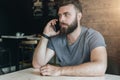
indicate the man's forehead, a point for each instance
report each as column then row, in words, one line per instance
column 66, row 8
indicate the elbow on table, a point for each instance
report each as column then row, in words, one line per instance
column 101, row 71
column 36, row 65
column 98, row 70
column 97, row 73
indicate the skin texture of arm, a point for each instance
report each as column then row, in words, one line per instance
column 96, row 67
column 42, row 55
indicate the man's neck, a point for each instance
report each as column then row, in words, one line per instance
column 72, row 37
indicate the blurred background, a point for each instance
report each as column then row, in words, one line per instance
column 30, row 17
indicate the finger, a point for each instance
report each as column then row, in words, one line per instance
column 43, row 68
column 45, row 73
column 53, row 22
column 58, row 32
column 48, row 70
column 50, row 23
column 42, row 71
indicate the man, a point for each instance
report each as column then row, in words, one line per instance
column 80, row 51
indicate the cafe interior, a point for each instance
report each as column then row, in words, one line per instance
column 22, row 23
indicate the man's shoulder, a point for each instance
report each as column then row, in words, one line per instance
column 92, row 33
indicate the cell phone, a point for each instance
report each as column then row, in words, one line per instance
column 57, row 26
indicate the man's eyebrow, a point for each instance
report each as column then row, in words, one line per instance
column 63, row 13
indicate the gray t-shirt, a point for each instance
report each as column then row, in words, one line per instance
column 78, row 52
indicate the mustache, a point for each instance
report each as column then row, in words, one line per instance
column 62, row 23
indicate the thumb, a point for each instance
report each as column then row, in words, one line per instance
column 57, row 32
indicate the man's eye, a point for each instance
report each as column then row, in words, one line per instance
column 67, row 14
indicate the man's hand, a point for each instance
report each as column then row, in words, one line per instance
column 50, row 70
column 49, row 29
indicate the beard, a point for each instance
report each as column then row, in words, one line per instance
column 70, row 27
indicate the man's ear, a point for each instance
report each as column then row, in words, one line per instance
column 79, row 16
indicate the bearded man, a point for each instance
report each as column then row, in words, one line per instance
column 80, row 50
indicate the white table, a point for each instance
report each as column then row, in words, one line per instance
column 33, row 74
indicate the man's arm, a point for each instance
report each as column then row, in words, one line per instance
column 96, row 67
column 42, row 54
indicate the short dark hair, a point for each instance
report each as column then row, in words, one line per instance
column 76, row 3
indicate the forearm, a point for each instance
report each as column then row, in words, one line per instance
column 40, row 53
column 86, row 69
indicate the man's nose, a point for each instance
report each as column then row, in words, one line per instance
column 61, row 18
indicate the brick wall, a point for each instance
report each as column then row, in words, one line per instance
column 104, row 16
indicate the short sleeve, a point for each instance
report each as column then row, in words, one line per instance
column 50, row 45
column 96, row 40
